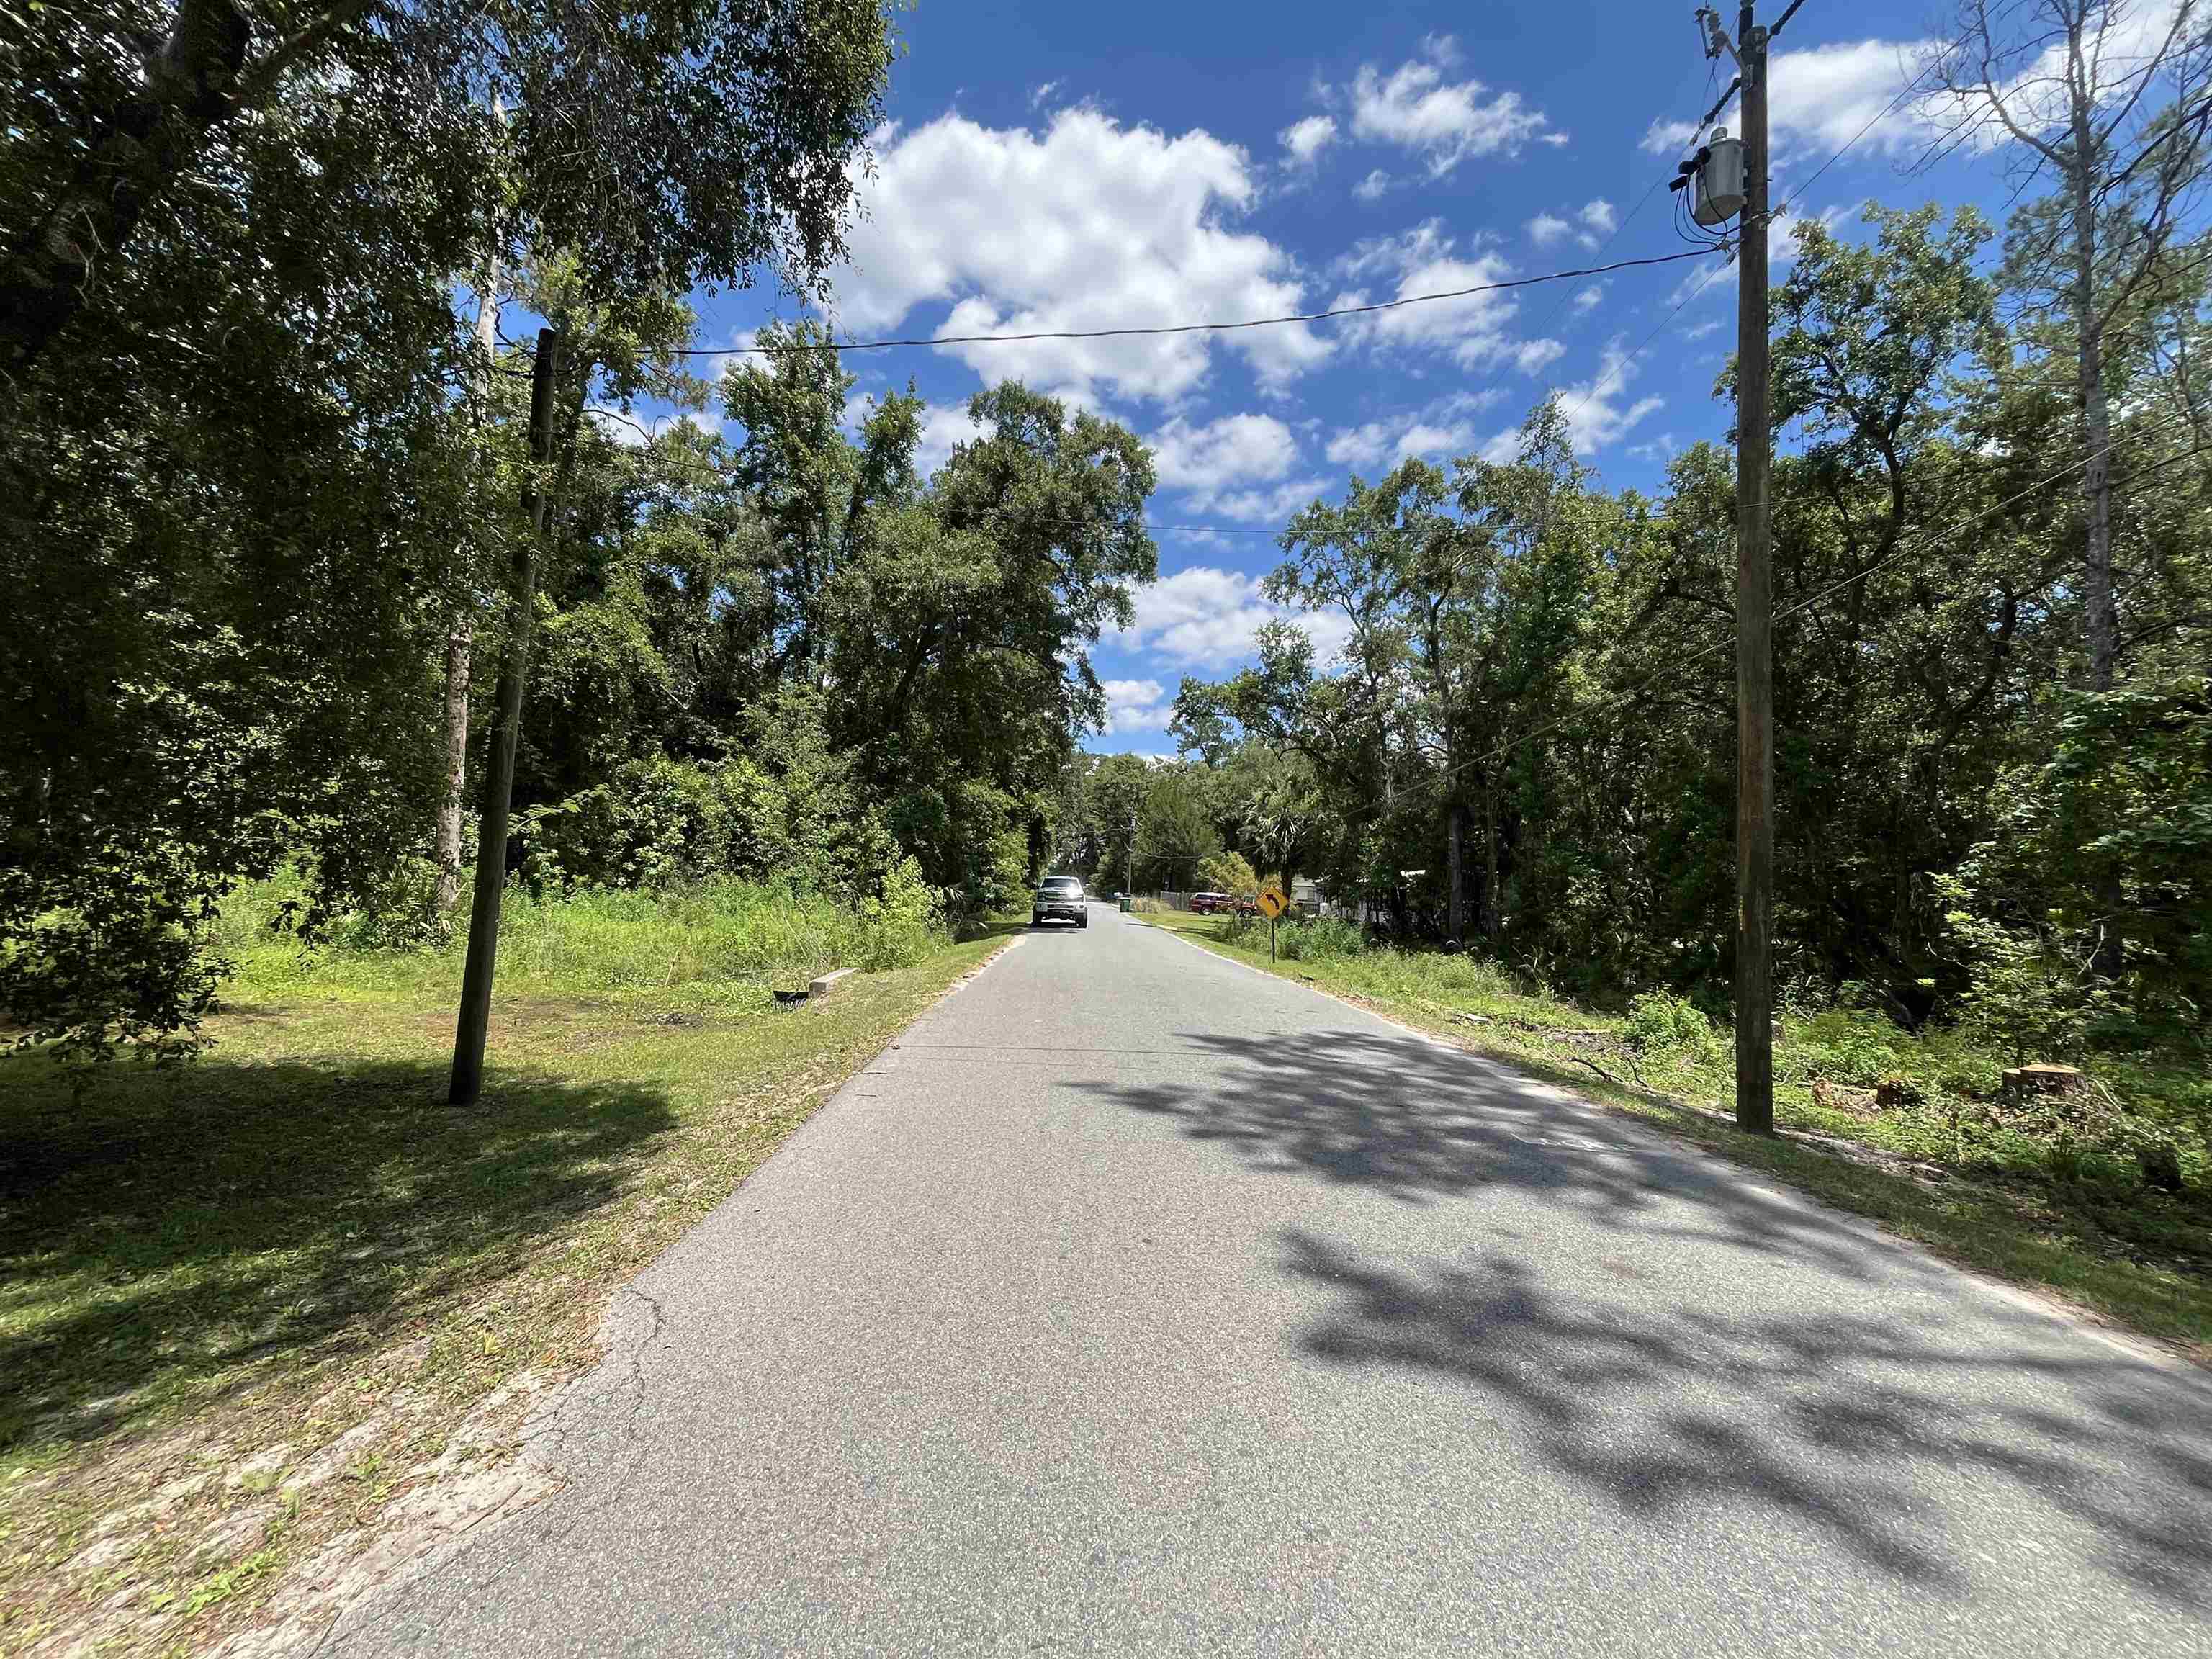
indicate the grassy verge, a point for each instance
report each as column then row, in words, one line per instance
column 254, row 1306
column 1990, row 1194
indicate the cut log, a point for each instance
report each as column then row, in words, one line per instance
column 2025, row 1082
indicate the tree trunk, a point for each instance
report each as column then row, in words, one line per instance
column 1454, row 888
column 458, row 645
column 1492, row 925
column 2099, row 620
column 2099, row 617
column 135, row 147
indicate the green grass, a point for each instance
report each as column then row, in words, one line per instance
column 712, row 943
column 209, row 1271
column 2004, row 1191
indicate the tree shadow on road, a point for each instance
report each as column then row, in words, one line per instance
column 1722, row 1349
column 1421, row 1122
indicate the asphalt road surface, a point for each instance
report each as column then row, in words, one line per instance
column 1138, row 1302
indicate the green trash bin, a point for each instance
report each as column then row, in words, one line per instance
column 1125, row 904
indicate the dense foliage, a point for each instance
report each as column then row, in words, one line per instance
column 261, row 457
column 1534, row 710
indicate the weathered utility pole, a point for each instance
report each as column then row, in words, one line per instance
column 1754, row 619
column 505, row 734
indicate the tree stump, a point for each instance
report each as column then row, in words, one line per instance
column 2025, row 1082
column 1892, row 1092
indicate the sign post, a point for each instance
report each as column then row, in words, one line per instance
column 1272, row 906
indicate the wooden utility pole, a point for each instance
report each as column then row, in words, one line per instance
column 1754, row 620
column 505, row 734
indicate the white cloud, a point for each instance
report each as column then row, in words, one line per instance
column 1546, row 228
column 1589, row 298
column 1710, row 325
column 1374, row 186
column 1268, row 503
column 1473, row 328
column 1445, row 122
column 1136, row 706
column 1666, row 138
column 1306, row 139
column 1218, row 464
column 1826, row 97
column 1091, row 225
column 1206, row 617
column 1535, row 357
column 1379, row 445
column 1660, row 448
column 1597, row 412
column 1043, row 92
column 1593, row 222
column 943, row 426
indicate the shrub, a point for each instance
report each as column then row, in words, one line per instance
column 1323, row 936
column 1659, row 1022
column 903, row 923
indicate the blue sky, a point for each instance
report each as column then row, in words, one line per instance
column 1050, row 167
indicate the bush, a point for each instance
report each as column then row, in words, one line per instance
column 1659, row 1022
column 902, row 924
column 1323, row 936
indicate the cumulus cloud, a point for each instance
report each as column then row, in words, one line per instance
column 1589, row 298
column 1473, row 328
column 1826, row 97
column 1306, row 139
column 1238, row 466
column 1204, row 618
column 1416, row 107
column 1598, row 412
column 943, row 426
column 1592, row 223
column 1236, row 449
column 1136, row 706
column 1088, row 225
column 1839, row 94
column 1376, row 185
column 1377, row 446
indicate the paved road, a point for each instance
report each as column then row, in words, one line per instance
column 1138, row 1302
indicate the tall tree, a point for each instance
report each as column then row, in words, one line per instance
column 2109, row 101
column 232, row 482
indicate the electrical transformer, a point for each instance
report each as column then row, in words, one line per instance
column 1719, row 191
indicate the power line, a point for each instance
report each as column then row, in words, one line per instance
column 1156, row 329
column 1909, row 89
column 1650, row 191
column 1620, row 369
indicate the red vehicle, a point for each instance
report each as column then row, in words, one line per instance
column 1207, row 904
